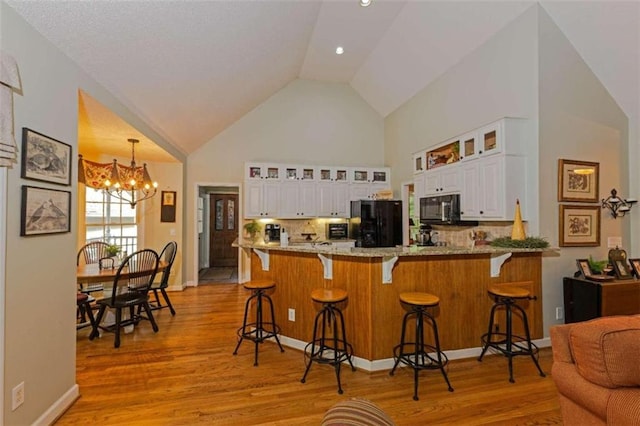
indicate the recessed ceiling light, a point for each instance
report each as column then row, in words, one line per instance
column 339, row 50
column 365, row 3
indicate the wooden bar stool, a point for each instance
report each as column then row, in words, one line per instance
column 507, row 343
column 417, row 354
column 330, row 349
column 260, row 330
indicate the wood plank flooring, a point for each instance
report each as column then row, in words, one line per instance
column 186, row 374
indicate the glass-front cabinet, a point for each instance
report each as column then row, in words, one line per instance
column 333, row 174
column 380, row 175
column 307, row 173
column 255, row 171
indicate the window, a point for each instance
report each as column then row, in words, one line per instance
column 110, row 219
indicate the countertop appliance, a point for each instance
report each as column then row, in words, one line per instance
column 337, row 231
column 272, row 232
column 424, row 236
column 440, row 210
column 376, row 223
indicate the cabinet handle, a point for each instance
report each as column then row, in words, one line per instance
column 481, row 212
column 479, row 152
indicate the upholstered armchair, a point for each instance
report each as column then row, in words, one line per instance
column 596, row 368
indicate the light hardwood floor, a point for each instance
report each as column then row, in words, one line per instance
column 186, row 374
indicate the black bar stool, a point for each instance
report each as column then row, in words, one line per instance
column 83, row 306
column 328, row 349
column 507, row 343
column 414, row 354
column 260, row 330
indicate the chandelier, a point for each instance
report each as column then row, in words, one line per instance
column 131, row 184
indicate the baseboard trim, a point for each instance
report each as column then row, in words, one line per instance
column 59, row 407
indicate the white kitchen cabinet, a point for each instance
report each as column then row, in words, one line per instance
column 418, row 164
column 332, row 174
column 491, row 186
column 293, row 172
column 443, row 180
column 332, row 200
column 297, row 200
column 506, row 136
column 262, row 171
column 261, row 198
column 366, row 175
column 418, row 191
column 369, row 191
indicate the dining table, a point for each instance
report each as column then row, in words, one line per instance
column 92, row 273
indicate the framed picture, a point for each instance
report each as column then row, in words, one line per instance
column 618, row 259
column 45, row 211
column 579, row 226
column 635, row 267
column 578, row 181
column 583, row 267
column 45, row 159
column 168, row 207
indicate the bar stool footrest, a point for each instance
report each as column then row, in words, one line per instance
column 426, row 361
column 324, row 354
column 258, row 335
column 518, row 343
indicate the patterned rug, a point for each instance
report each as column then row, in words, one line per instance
column 218, row 275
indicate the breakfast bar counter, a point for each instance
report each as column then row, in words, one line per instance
column 374, row 277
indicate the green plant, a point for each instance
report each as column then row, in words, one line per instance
column 597, row 266
column 252, row 227
column 529, row 242
column 113, row 250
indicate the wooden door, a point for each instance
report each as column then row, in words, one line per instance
column 223, row 230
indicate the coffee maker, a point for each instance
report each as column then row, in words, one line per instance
column 272, row 232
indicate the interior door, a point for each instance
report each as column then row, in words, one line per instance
column 223, row 230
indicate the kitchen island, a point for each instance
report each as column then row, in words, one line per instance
column 374, row 277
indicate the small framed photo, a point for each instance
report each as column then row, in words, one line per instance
column 168, row 207
column 45, row 211
column 583, row 267
column 578, row 181
column 579, row 226
column 45, row 159
column 635, row 267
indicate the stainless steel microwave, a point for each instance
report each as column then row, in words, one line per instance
column 440, row 209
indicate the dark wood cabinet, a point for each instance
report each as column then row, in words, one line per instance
column 586, row 299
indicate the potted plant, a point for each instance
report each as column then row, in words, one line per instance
column 252, row 229
column 113, row 250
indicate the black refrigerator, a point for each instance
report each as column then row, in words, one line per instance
column 376, row 223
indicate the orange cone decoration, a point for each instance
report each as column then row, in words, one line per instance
column 517, row 233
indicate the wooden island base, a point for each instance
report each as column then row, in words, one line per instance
column 373, row 313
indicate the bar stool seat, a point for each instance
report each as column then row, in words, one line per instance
column 260, row 330
column 507, row 343
column 331, row 349
column 417, row 354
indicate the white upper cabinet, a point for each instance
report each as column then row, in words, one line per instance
column 379, row 175
column 445, row 180
column 297, row 200
column 502, row 136
column 261, row 198
column 306, row 173
column 332, row 174
column 332, row 199
column 261, row 171
column 418, row 162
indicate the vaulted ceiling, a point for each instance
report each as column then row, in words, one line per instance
column 190, row 69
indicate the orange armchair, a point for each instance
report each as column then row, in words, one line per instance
column 596, row 368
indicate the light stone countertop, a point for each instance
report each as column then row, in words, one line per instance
column 382, row 251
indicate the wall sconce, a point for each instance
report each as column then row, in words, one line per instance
column 618, row 205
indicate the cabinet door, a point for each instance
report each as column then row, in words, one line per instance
column 359, row 191
column 289, row 200
column 418, row 192
column 253, row 199
column 342, row 206
column 360, row 176
column 379, row 176
column 418, row 162
column 469, row 194
column 492, row 188
column 450, row 179
column 432, row 182
column 324, row 199
column 469, row 146
column 491, row 138
column 306, row 200
column 271, row 199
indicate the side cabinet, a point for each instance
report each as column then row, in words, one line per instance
column 586, row 299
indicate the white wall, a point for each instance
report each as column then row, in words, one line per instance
column 579, row 121
column 39, row 323
column 497, row 80
column 306, row 122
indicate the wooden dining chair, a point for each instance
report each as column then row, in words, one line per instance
column 168, row 254
column 130, row 290
column 92, row 253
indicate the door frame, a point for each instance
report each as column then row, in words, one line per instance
column 405, row 212
column 195, row 253
column 3, row 264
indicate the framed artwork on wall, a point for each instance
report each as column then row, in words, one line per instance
column 578, row 181
column 168, row 206
column 579, row 226
column 45, row 159
column 44, row 211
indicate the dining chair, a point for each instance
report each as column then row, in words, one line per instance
column 168, row 254
column 92, row 253
column 130, row 290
